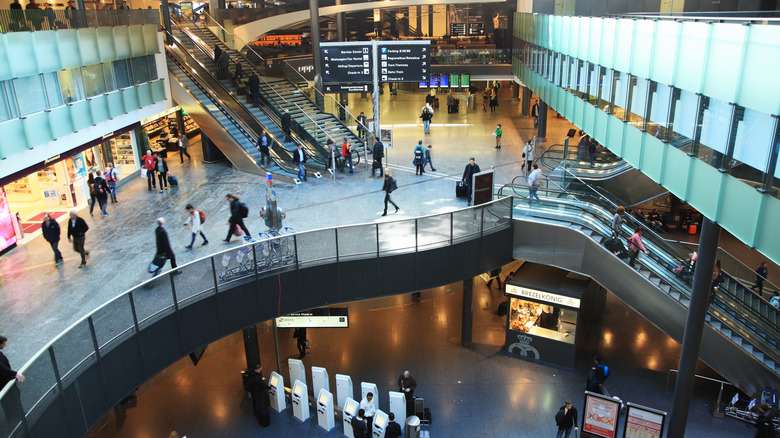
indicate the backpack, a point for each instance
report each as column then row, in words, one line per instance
column 559, row 417
column 202, row 217
column 97, row 188
column 243, row 210
column 604, row 370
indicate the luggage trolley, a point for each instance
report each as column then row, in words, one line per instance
column 239, row 264
column 745, row 410
column 424, row 414
column 276, row 248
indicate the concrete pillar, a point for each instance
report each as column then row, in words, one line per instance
column 314, row 8
column 180, row 122
column 468, row 312
column 251, row 347
column 526, row 107
column 542, row 120
column 694, row 326
column 515, row 90
column 339, row 24
column 166, row 16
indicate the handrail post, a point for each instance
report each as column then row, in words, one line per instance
column 716, row 409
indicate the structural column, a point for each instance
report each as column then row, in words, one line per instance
column 251, row 347
column 694, row 326
column 468, row 312
column 526, row 107
column 166, row 16
column 314, row 8
column 542, row 119
column 339, row 24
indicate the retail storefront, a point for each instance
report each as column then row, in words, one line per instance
column 163, row 130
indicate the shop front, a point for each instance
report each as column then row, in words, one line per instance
column 545, row 313
column 163, row 130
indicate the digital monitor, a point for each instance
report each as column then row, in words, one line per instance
column 350, row 407
column 455, row 81
column 323, row 399
column 445, row 81
column 434, row 81
column 274, row 380
column 298, row 390
column 380, row 421
column 423, row 84
column 464, row 80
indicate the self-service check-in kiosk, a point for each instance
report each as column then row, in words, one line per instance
column 319, row 379
column 300, row 401
column 380, row 423
column 276, row 382
column 344, row 389
column 398, row 406
column 326, row 418
column 365, row 388
column 350, row 410
column 297, row 371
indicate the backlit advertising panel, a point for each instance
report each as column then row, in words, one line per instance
column 7, row 234
column 601, row 415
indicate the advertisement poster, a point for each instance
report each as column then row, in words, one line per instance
column 600, row 417
column 7, row 235
column 79, row 166
column 643, row 423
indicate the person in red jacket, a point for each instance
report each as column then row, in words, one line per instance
column 150, row 164
column 346, row 156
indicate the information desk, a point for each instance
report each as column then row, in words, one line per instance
column 544, row 313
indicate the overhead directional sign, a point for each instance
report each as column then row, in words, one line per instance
column 458, row 29
column 349, row 88
column 404, row 62
column 349, row 64
column 319, row 318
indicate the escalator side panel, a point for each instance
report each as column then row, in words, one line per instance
column 566, row 248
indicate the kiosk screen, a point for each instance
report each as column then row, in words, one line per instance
column 298, row 390
column 274, row 380
column 323, row 399
column 380, row 421
column 545, row 320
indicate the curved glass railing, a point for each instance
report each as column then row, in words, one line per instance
column 66, row 356
column 743, row 311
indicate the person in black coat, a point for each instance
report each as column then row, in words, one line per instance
column 217, row 53
column 359, row 428
column 389, row 186
column 223, row 66
column 470, row 170
column 393, row 429
column 300, row 159
column 163, row 244
column 254, row 88
column 261, row 402
column 286, row 124
column 379, row 153
column 51, row 232
column 262, row 145
column 238, row 73
column 407, row 384
column 6, row 373
column 764, row 423
column 236, row 217
column 77, row 231
column 565, row 419
column 100, row 190
column 300, row 336
column 12, row 403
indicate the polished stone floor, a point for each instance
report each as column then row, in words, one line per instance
column 476, row 391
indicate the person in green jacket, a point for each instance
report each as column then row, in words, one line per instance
column 497, row 135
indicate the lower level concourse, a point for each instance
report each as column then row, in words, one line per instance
column 471, row 392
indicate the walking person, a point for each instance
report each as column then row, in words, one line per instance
column 362, row 126
column 493, row 100
column 468, row 172
column 164, row 245
column 184, row 143
column 256, row 385
column 300, row 159
column 254, row 88
column 265, row 153
column 485, row 99
column 407, row 384
column 51, row 232
column 162, row 172
column 111, row 178
column 238, row 72
column 565, row 419
column 635, row 245
column 761, row 274
column 426, row 115
column 592, row 152
column 195, row 219
column 450, row 102
column 346, row 156
column 300, row 336
column 217, row 53
column 617, row 221
column 238, row 211
column 77, row 232
column 528, row 154
column 428, row 160
column 150, row 165
column 598, row 375
column 534, row 182
column 223, row 66
column 495, row 274
column 419, row 158
column 497, row 134
column 535, row 114
column 389, row 187
column 286, row 120
column 379, row 153
column 12, row 404
column 100, row 188
column 765, row 422
column 92, row 199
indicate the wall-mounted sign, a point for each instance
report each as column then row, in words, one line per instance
column 539, row 295
column 458, row 29
column 349, row 64
column 316, row 318
column 601, row 415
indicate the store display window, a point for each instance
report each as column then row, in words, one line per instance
column 545, row 320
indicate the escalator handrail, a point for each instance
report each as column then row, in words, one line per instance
column 314, row 153
column 770, row 327
column 251, row 66
column 224, row 107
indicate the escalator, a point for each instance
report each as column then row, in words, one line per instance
column 608, row 172
column 229, row 123
column 741, row 340
column 312, row 125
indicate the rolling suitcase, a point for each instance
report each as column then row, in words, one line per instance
column 419, row 407
column 456, row 107
column 461, row 189
column 172, row 181
column 436, row 102
column 616, row 247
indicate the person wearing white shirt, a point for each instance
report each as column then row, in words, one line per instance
column 194, row 221
column 528, row 153
column 367, row 405
column 534, row 180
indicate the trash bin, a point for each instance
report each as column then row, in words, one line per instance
column 412, row 427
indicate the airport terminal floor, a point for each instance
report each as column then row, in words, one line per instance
column 518, row 398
